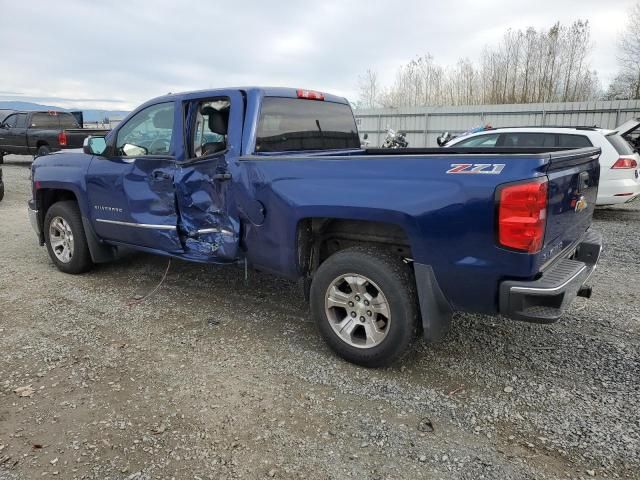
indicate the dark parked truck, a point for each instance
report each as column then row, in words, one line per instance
column 387, row 244
column 40, row 133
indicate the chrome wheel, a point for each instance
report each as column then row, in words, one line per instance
column 358, row 311
column 61, row 239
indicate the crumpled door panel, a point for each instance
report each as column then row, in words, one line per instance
column 208, row 233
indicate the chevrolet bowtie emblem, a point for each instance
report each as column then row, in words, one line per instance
column 581, row 204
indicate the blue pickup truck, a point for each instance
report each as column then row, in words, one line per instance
column 386, row 245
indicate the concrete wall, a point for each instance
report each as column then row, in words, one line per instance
column 424, row 124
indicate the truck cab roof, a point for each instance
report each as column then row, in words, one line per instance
column 285, row 92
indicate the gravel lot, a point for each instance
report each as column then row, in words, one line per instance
column 212, row 378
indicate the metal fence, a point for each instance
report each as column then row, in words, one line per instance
column 424, row 124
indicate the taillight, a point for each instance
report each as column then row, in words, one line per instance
column 625, row 163
column 522, row 215
column 310, row 95
column 62, row 139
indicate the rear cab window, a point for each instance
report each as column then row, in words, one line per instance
column 54, row 120
column 293, row 124
column 620, row 144
column 67, row 120
column 45, row 120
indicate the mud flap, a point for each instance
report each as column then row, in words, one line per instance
column 435, row 310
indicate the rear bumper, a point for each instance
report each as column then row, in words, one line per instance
column 545, row 299
column 616, row 191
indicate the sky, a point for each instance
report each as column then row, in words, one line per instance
column 117, row 54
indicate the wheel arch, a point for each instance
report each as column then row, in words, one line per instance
column 319, row 237
column 314, row 237
column 46, row 197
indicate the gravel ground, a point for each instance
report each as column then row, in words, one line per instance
column 212, row 378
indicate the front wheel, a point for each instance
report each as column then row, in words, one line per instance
column 65, row 238
column 363, row 300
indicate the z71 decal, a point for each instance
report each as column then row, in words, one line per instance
column 485, row 168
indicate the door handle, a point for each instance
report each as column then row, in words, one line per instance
column 160, row 175
column 222, row 177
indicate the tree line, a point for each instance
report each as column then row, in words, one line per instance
column 527, row 66
column 626, row 84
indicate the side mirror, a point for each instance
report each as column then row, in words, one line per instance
column 131, row 150
column 94, row 145
column 3, row 126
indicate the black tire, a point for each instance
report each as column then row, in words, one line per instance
column 1, row 158
column 1, row 190
column 80, row 261
column 43, row 150
column 394, row 278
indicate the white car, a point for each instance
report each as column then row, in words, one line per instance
column 619, row 182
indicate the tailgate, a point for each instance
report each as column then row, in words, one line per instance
column 573, row 188
column 76, row 136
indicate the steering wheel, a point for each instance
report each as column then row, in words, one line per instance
column 157, row 144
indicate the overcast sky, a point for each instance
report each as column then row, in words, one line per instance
column 117, row 54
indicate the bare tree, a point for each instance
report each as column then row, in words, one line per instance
column 526, row 66
column 369, row 90
column 626, row 85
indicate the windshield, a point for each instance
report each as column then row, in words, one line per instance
column 289, row 124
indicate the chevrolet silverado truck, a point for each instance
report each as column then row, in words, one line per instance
column 40, row 133
column 386, row 244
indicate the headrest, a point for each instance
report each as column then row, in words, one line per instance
column 163, row 119
column 218, row 119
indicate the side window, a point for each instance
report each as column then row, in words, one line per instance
column 574, row 141
column 522, row 139
column 22, row 120
column 479, row 141
column 10, row 121
column 209, row 132
column 45, row 120
column 148, row 132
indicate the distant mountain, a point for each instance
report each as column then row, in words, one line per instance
column 91, row 115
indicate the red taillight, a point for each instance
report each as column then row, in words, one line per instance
column 62, row 139
column 310, row 95
column 625, row 163
column 522, row 215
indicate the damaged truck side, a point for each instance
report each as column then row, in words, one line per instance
column 388, row 244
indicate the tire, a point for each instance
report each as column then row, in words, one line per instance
column 65, row 217
column 1, row 158
column 384, row 274
column 43, row 150
column 1, row 190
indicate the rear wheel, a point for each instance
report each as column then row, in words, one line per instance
column 65, row 238
column 364, row 302
column 43, row 150
column 1, row 158
column 1, row 190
